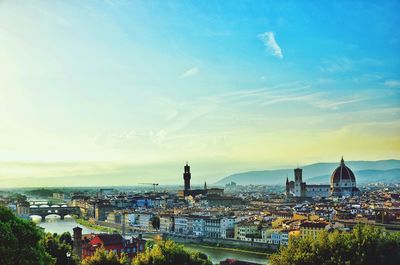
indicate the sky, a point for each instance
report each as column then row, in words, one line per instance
column 121, row 92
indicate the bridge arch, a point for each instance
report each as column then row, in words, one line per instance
column 59, row 211
column 52, row 216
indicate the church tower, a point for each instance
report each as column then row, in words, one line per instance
column 77, row 244
column 298, row 179
column 187, row 176
column 287, row 187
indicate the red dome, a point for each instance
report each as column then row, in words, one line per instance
column 342, row 172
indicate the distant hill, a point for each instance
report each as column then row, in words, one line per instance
column 366, row 176
column 366, row 171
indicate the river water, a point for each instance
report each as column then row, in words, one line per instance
column 55, row 225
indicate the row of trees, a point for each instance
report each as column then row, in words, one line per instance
column 365, row 245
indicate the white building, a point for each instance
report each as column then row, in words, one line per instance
column 227, row 226
column 198, row 226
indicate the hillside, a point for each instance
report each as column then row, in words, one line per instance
column 367, row 171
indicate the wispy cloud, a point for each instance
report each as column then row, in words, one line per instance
column 337, row 65
column 190, row 72
column 334, row 104
column 392, row 83
column 268, row 38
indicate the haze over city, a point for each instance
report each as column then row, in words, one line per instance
column 135, row 89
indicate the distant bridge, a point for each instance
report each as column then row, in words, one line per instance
column 45, row 210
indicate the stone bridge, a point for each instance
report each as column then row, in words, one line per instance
column 45, row 210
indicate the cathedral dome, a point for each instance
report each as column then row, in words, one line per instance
column 342, row 173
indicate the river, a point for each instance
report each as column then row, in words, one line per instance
column 55, row 225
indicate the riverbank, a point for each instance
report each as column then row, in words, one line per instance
column 92, row 225
column 252, row 247
column 256, row 251
column 217, row 254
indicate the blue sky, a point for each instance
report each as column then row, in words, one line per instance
column 136, row 88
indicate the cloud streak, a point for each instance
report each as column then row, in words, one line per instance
column 392, row 83
column 268, row 38
column 337, row 65
column 190, row 72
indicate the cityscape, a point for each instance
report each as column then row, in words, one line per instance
column 199, row 132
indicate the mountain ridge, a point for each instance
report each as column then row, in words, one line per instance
column 318, row 171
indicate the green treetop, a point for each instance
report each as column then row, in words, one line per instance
column 365, row 245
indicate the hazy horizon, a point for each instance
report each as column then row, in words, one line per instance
column 135, row 89
column 101, row 174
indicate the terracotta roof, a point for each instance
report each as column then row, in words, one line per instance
column 314, row 224
column 342, row 172
column 111, row 239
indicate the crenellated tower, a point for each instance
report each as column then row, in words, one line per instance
column 187, row 176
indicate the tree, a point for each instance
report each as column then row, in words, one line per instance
column 101, row 257
column 21, row 241
column 58, row 246
column 365, row 245
column 155, row 222
column 170, row 253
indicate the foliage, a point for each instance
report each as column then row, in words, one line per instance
column 170, row 253
column 58, row 246
column 17, row 197
column 149, row 244
column 101, row 257
column 155, row 222
column 365, row 245
column 20, row 241
column 44, row 193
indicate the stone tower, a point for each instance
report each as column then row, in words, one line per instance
column 77, row 245
column 187, row 176
column 298, row 179
column 287, row 187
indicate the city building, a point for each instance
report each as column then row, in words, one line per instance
column 101, row 210
column 59, row 196
column 166, row 223
column 312, row 229
column 115, row 243
column 183, row 225
column 298, row 188
column 199, row 226
column 227, row 227
column 212, row 227
column 246, row 231
column 23, row 209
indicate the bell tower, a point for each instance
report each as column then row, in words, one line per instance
column 298, row 179
column 77, row 244
column 187, row 176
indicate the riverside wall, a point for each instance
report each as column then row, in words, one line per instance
column 220, row 241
